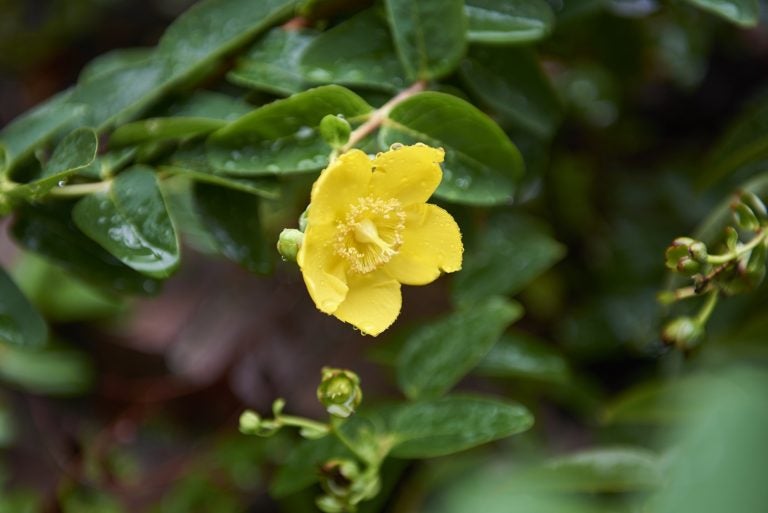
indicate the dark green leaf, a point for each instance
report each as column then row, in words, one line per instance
column 430, row 35
column 53, row 371
column 508, row 21
column 518, row 355
column 159, row 129
column 302, row 468
column 511, row 252
column 356, row 52
column 741, row 12
column 512, row 83
column 20, row 323
column 482, row 166
column 131, row 221
column 207, row 104
column 114, row 60
column 272, row 64
column 49, row 231
column 282, row 137
column 437, row 355
column 232, row 219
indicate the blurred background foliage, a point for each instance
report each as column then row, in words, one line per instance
column 636, row 120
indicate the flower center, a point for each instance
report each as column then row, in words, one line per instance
column 370, row 234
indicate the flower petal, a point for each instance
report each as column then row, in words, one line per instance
column 323, row 270
column 372, row 303
column 338, row 186
column 431, row 243
column 410, row 173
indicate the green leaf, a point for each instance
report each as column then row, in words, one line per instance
column 49, row 231
column 302, row 467
column 508, row 22
column 52, row 371
column 437, row 355
column 272, row 64
column 113, row 61
column 232, row 218
column 282, row 137
column 519, row 355
column 356, row 52
column 656, row 402
column 425, row 429
column 131, row 221
column 73, row 154
column 160, row 129
column 512, row 251
column 208, row 104
column 429, row 35
column 745, row 13
column 482, row 166
column 511, row 82
column 20, row 323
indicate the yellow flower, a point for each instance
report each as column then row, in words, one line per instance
column 369, row 230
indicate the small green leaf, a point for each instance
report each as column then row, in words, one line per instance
column 511, row 82
column 745, row 13
column 437, row 355
column 52, row 371
column 282, row 137
column 512, row 251
column 160, row 129
column 356, row 52
column 20, row 323
column 131, row 221
column 519, row 355
column 429, row 35
column 233, row 221
column 482, row 166
column 508, row 22
column 302, row 467
column 272, row 64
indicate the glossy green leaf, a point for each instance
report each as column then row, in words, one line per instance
column 482, row 166
column 356, row 52
column 159, row 129
column 512, row 83
column 282, row 137
column 437, row 355
column 74, row 153
column 232, row 218
column 745, row 13
column 272, row 64
column 522, row 356
column 114, row 60
column 425, row 429
column 20, row 323
column 131, row 221
column 429, row 35
column 508, row 21
column 52, row 371
column 302, row 466
column 512, row 251
column 211, row 105
column 264, row 187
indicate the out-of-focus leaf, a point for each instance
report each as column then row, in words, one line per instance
column 519, row 355
column 429, row 35
column 512, row 251
column 114, row 60
column 482, row 166
column 356, row 52
column 83, row 499
column 282, row 137
column 745, row 13
column 131, row 221
column 51, row 371
column 7, row 432
column 272, row 64
column 20, row 324
column 437, row 355
column 301, row 469
column 20, row 501
column 233, row 220
column 508, row 22
column 513, row 84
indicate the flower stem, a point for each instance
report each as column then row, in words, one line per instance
column 708, row 307
column 81, row 189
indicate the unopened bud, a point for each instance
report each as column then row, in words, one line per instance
column 289, row 243
column 744, row 216
column 688, row 266
column 683, row 332
column 339, row 392
column 335, row 130
column 249, row 422
column 756, row 204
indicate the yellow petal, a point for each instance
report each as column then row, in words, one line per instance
column 431, row 243
column 338, row 186
column 323, row 270
column 372, row 303
column 410, row 173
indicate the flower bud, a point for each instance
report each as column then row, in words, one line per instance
column 335, row 130
column 683, row 332
column 249, row 422
column 744, row 216
column 684, row 255
column 289, row 243
column 339, row 392
column 756, row 204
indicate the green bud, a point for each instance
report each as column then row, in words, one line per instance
column 688, row 266
column 744, row 216
column 731, row 238
column 330, row 504
column 303, row 219
column 684, row 255
column 756, row 204
column 249, row 422
column 289, row 243
column 683, row 332
column 339, row 392
column 754, row 271
column 335, row 130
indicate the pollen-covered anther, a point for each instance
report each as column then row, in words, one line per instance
column 370, row 234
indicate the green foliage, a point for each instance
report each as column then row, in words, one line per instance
column 20, row 324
